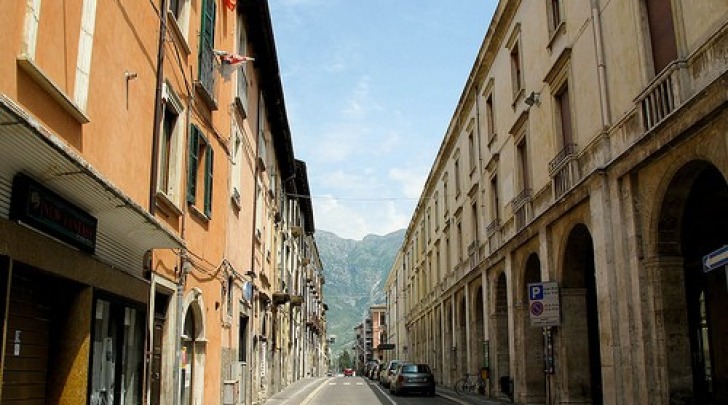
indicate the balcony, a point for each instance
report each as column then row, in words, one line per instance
column 493, row 234
column 564, row 170
column 522, row 208
column 662, row 96
column 473, row 254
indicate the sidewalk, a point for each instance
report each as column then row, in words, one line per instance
column 299, row 392
column 468, row 399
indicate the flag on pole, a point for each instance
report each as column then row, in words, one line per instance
column 231, row 58
column 229, row 62
column 230, row 4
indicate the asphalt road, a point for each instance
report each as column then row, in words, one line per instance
column 348, row 391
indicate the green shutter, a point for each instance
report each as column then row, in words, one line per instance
column 208, row 180
column 207, row 34
column 192, row 162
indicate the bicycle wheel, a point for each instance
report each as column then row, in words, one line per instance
column 481, row 386
column 461, row 386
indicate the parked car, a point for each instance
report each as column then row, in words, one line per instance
column 386, row 373
column 371, row 365
column 348, row 372
column 375, row 372
column 411, row 377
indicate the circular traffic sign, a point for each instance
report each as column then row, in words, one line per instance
column 537, row 308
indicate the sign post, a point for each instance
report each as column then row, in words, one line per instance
column 717, row 259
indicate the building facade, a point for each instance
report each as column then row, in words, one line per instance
column 151, row 176
column 587, row 153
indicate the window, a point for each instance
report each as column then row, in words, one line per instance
column 175, row 7
column 445, row 195
column 563, row 112
column 242, row 83
column 476, row 231
column 456, row 169
column 523, row 172
column 117, row 351
column 554, row 11
column 662, row 33
column 169, row 145
column 514, row 48
column 437, row 211
column 472, row 155
column 516, row 73
column 206, row 56
column 490, row 118
column 429, row 224
column 460, row 241
column 179, row 11
column 494, row 199
column 199, row 179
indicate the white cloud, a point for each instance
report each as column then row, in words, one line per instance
column 354, row 219
column 410, row 179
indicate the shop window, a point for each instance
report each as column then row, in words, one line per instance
column 117, row 354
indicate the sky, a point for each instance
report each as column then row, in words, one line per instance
column 370, row 88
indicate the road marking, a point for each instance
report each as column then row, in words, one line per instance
column 391, row 401
column 313, row 394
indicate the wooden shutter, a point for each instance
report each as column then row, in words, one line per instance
column 192, row 163
column 208, row 180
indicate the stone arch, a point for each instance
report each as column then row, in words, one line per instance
column 693, row 222
column 578, row 351
column 193, row 344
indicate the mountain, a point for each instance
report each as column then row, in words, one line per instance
column 355, row 273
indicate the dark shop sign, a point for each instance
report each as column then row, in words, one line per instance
column 35, row 205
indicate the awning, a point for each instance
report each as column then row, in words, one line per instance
column 125, row 232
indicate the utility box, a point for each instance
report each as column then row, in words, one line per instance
column 230, row 392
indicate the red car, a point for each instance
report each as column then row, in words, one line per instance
column 348, row 372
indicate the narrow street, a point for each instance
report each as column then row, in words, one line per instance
column 341, row 390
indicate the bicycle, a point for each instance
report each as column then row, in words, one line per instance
column 469, row 384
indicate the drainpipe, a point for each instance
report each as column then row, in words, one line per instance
column 157, row 107
column 184, row 270
column 601, row 64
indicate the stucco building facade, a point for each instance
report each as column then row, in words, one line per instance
column 156, row 232
column 588, row 149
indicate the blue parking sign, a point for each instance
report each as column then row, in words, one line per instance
column 535, row 291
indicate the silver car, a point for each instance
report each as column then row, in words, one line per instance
column 387, row 371
column 410, row 377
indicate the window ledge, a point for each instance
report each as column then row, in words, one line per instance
column 558, row 32
column 196, row 212
column 518, row 96
column 45, row 82
column 166, row 203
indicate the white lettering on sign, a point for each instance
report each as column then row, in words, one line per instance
column 543, row 302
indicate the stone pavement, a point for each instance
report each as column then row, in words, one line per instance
column 468, row 399
column 302, row 391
